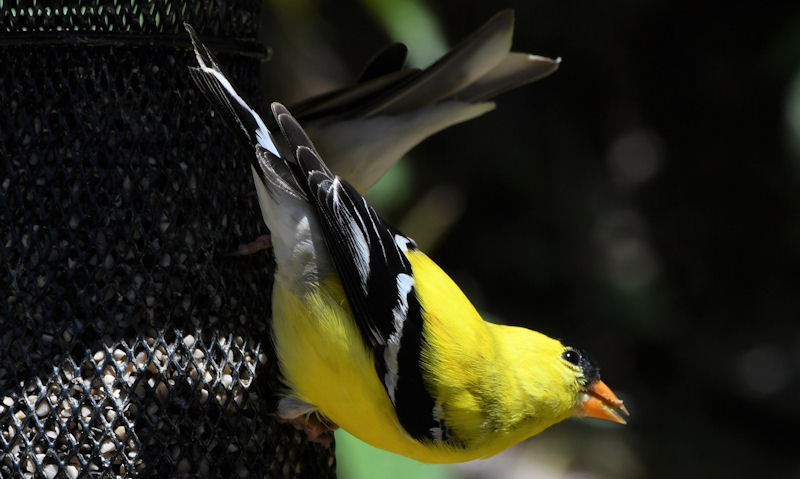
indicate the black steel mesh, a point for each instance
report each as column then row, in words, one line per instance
column 130, row 344
column 225, row 19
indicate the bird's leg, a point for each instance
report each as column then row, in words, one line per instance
column 261, row 243
column 306, row 417
column 317, row 427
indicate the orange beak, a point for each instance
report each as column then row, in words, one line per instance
column 600, row 402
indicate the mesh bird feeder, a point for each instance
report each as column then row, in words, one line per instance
column 131, row 345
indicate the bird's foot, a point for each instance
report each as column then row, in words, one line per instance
column 261, row 243
column 317, row 427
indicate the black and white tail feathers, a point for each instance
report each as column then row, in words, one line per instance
column 272, row 168
column 227, row 101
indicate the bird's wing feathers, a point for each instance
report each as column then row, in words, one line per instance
column 389, row 60
column 370, row 258
column 352, row 101
column 276, row 174
column 478, row 68
column 407, row 90
column 515, row 70
column 364, row 249
column 465, row 63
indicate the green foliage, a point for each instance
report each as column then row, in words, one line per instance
column 359, row 460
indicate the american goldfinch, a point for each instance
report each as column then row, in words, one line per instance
column 371, row 335
column 361, row 131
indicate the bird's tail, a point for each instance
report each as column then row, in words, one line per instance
column 227, row 102
column 267, row 163
column 282, row 197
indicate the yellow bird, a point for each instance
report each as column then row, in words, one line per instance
column 371, row 335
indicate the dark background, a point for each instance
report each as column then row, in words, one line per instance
column 643, row 202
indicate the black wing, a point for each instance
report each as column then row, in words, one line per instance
column 369, row 256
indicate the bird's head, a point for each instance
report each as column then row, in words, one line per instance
column 596, row 399
column 561, row 380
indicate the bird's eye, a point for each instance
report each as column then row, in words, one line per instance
column 572, row 356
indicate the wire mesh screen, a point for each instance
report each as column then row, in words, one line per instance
column 131, row 345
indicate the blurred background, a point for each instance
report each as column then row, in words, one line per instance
column 643, row 202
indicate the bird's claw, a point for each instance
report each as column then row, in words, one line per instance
column 261, row 243
column 317, row 427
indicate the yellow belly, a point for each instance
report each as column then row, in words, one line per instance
column 324, row 362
